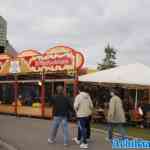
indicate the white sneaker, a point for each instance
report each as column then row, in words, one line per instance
column 84, row 146
column 51, row 141
column 76, row 140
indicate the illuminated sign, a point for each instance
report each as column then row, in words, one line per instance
column 58, row 58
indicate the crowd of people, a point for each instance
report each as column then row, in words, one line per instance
column 83, row 107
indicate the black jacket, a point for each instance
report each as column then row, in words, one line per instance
column 61, row 106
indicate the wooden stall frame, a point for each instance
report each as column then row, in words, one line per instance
column 42, row 94
column 15, row 93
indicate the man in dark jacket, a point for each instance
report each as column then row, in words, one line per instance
column 61, row 107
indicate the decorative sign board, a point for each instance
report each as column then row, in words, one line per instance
column 58, row 58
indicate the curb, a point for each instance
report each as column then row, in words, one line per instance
column 115, row 133
column 7, row 146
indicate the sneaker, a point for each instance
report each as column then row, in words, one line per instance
column 76, row 140
column 84, row 146
column 51, row 141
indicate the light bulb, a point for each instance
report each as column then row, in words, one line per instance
column 39, row 83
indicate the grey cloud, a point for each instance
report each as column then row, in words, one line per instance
column 85, row 25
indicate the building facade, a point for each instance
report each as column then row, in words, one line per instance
column 5, row 46
column 3, row 32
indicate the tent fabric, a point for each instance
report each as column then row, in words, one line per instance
column 134, row 74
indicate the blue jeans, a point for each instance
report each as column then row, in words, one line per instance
column 88, row 127
column 56, row 123
column 82, row 131
column 119, row 127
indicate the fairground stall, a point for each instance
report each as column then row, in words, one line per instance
column 28, row 82
column 133, row 83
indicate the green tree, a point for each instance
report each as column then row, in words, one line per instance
column 110, row 59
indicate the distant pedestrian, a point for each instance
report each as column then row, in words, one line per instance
column 61, row 107
column 116, row 115
column 83, row 106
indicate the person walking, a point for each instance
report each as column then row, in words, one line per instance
column 61, row 107
column 88, row 134
column 116, row 115
column 83, row 107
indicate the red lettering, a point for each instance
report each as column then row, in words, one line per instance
column 51, row 62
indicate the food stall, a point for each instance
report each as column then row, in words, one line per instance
column 31, row 78
column 6, row 85
column 132, row 81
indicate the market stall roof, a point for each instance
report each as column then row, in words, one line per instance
column 132, row 74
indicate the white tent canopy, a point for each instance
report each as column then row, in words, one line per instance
column 132, row 74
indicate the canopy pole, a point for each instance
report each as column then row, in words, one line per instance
column 53, row 88
column 15, row 94
column 136, row 98
column 42, row 94
column 75, row 83
column 149, row 95
column 65, row 87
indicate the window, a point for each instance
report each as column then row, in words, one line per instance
column 7, row 93
column 29, row 93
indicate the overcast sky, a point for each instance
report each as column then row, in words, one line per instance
column 85, row 25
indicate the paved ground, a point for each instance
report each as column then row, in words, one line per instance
column 2, row 148
column 31, row 134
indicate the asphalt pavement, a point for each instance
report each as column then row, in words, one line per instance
column 23, row 133
column 32, row 134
